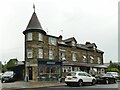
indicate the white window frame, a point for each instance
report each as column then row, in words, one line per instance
column 52, row 41
column 40, row 53
column 74, row 57
column 40, row 37
column 67, row 68
column 73, row 43
column 91, row 59
column 29, row 36
column 51, row 56
column 99, row 60
column 29, row 53
column 62, row 57
column 84, row 58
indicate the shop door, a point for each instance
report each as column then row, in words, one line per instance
column 30, row 73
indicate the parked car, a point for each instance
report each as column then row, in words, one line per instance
column 8, row 76
column 79, row 78
column 114, row 74
column 105, row 78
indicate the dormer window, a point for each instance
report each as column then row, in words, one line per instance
column 52, row 41
column 73, row 43
column 29, row 36
column 40, row 37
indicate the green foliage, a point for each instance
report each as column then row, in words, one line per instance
column 11, row 63
column 112, row 70
column 113, row 67
column 4, row 68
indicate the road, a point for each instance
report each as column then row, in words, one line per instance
column 65, row 87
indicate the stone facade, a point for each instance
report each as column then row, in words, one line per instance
column 49, row 57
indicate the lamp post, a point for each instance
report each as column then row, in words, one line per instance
column 27, row 64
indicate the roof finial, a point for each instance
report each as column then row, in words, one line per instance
column 34, row 7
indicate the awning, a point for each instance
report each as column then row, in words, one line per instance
column 83, row 64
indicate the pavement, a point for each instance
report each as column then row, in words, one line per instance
column 30, row 84
column 36, row 84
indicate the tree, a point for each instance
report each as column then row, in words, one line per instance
column 4, row 68
column 112, row 70
column 11, row 63
column 113, row 67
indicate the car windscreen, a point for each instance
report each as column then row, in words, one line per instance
column 108, row 74
column 71, row 74
column 8, row 73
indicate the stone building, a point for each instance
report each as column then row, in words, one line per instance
column 49, row 57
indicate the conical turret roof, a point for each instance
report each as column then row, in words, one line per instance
column 34, row 25
column 34, row 22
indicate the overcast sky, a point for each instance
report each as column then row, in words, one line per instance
column 86, row 20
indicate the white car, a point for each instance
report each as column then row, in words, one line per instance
column 78, row 78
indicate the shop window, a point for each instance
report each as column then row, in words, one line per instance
column 52, row 41
column 29, row 53
column 29, row 36
column 40, row 53
column 53, row 70
column 69, row 69
column 40, row 37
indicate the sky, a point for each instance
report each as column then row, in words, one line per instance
column 95, row 21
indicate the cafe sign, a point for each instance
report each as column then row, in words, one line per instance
column 50, row 62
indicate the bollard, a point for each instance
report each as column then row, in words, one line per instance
column 26, row 78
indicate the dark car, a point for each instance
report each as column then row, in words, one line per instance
column 8, row 76
column 105, row 78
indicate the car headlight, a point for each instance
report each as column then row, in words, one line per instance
column 11, row 76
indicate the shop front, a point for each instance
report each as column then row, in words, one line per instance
column 49, row 70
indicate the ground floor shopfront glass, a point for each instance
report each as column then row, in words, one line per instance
column 49, row 70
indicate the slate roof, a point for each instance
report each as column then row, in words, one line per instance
column 82, row 46
column 34, row 22
column 34, row 25
column 69, row 39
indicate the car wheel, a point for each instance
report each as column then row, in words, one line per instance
column 106, row 81
column 68, row 84
column 80, row 83
column 1, row 80
column 115, row 81
column 93, row 82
